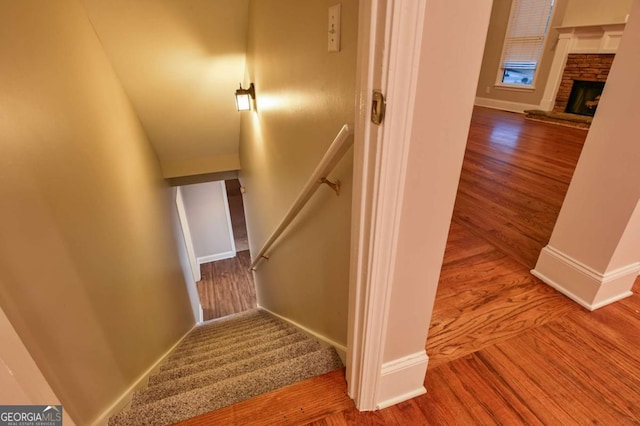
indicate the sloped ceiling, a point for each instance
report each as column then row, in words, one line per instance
column 179, row 62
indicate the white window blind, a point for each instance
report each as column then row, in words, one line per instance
column 525, row 34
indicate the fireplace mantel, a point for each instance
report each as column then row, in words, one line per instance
column 585, row 39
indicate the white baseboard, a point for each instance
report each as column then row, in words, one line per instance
column 125, row 398
column 547, row 105
column 504, row 105
column 402, row 379
column 341, row 349
column 583, row 284
column 215, row 257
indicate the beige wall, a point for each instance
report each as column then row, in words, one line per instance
column 21, row 381
column 180, row 63
column 89, row 274
column 590, row 12
column 493, row 51
column 304, row 95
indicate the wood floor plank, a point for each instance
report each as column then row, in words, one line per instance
column 227, row 286
column 301, row 403
column 488, row 299
column 514, row 177
column 489, row 402
column 541, row 387
column 586, row 364
column 565, row 369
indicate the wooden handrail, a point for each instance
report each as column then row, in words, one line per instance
column 338, row 148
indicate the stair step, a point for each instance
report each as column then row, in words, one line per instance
column 202, row 379
column 223, row 333
column 177, row 371
column 230, row 391
column 215, row 351
column 229, row 325
column 224, row 323
column 230, row 339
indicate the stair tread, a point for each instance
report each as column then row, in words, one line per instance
column 245, row 335
column 228, row 327
column 216, row 351
column 183, row 370
column 205, row 378
column 229, row 391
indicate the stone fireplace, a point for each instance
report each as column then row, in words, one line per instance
column 579, row 70
column 582, row 53
column 581, row 63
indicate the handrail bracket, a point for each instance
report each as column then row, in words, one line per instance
column 335, row 152
column 333, row 185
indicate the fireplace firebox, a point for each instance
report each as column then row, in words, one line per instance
column 584, row 97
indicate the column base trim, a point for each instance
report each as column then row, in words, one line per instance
column 584, row 285
column 402, row 379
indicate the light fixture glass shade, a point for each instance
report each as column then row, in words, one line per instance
column 244, row 97
column 243, row 102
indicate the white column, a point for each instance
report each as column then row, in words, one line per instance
column 557, row 67
column 594, row 252
column 450, row 61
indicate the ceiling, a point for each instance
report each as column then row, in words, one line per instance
column 180, row 62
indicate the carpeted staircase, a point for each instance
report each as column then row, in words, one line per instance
column 225, row 361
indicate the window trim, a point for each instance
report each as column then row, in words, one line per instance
column 517, row 87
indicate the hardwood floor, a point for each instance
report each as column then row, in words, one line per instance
column 484, row 297
column 577, row 369
column 504, row 348
column 514, row 178
column 227, row 286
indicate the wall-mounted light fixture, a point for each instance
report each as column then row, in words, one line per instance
column 244, row 97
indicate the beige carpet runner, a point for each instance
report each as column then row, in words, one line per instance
column 225, row 361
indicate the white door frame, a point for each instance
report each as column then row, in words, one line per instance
column 390, row 34
column 186, row 233
column 191, row 255
column 227, row 211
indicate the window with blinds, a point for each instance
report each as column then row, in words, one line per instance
column 524, row 41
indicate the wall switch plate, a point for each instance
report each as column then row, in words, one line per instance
column 334, row 28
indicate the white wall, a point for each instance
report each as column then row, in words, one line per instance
column 592, row 255
column 188, row 261
column 186, row 235
column 207, row 212
column 438, row 142
column 438, row 137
